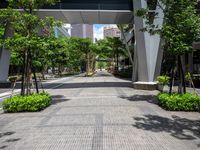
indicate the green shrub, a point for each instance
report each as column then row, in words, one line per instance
column 32, row 103
column 163, row 80
column 179, row 102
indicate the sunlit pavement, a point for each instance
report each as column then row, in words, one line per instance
column 100, row 113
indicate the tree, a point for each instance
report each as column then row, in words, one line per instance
column 122, row 29
column 111, row 48
column 93, row 54
column 57, row 54
column 104, row 51
column 27, row 26
column 117, row 49
column 75, row 55
column 84, row 47
column 181, row 27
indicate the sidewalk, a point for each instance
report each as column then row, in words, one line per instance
column 100, row 113
column 6, row 92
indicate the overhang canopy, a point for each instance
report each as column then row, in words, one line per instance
column 90, row 16
column 89, row 11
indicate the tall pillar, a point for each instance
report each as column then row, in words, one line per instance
column 148, row 49
column 5, row 59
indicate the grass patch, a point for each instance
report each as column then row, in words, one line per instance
column 32, row 103
column 179, row 102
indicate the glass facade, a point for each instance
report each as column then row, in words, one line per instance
column 88, row 4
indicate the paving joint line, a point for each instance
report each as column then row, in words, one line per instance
column 97, row 141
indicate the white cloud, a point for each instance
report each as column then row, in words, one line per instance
column 98, row 33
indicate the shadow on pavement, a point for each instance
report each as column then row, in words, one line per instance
column 5, row 134
column 135, row 98
column 181, row 128
column 12, row 140
column 58, row 99
column 83, row 85
column 90, row 85
column 102, row 75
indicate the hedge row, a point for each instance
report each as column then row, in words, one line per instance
column 179, row 102
column 32, row 103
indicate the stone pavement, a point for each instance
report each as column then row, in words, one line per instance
column 48, row 83
column 100, row 113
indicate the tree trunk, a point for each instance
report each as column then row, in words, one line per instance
column 23, row 75
column 182, row 87
column 35, row 78
column 53, row 69
column 43, row 73
column 94, row 64
column 182, row 75
column 179, row 77
column 29, row 74
column 171, row 80
column 117, row 61
column 34, row 73
column 59, row 70
column 88, row 64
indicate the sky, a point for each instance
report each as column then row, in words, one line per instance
column 98, row 30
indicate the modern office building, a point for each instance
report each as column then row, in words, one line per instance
column 111, row 31
column 65, row 30
column 82, row 30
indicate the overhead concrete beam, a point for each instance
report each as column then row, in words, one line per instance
column 89, row 16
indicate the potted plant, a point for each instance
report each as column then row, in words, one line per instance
column 163, row 82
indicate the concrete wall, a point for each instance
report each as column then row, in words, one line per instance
column 82, row 30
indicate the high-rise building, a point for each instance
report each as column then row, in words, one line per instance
column 63, row 31
column 111, row 32
column 82, row 30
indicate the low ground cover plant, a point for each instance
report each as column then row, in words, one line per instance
column 179, row 102
column 31, row 103
column 163, row 80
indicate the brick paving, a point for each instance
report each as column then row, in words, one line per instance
column 100, row 113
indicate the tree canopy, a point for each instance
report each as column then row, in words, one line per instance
column 180, row 28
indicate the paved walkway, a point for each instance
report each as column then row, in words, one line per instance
column 49, row 84
column 100, row 113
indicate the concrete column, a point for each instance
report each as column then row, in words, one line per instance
column 84, row 31
column 148, row 48
column 5, row 57
column 135, row 64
